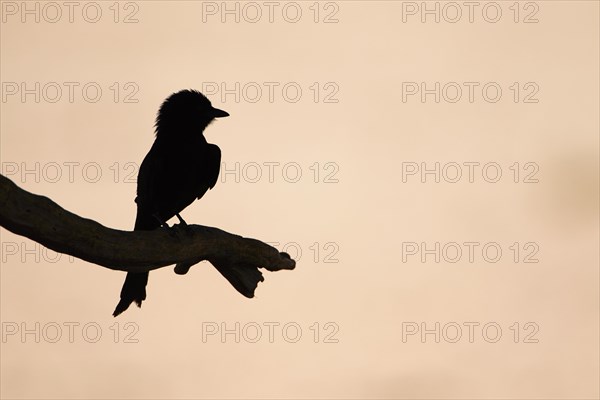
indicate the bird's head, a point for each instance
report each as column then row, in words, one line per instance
column 186, row 113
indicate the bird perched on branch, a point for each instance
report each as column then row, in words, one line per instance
column 179, row 168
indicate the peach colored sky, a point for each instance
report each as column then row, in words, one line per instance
column 352, row 110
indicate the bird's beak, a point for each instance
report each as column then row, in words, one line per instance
column 219, row 113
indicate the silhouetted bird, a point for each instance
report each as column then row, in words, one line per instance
column 179, row 168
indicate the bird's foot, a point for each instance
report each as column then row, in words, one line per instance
column 173, row 232
column 184, row 226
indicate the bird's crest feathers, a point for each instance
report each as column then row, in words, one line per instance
column 183, row 113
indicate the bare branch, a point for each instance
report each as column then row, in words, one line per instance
column 42, row 220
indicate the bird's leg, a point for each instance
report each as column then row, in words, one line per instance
column 172, row 230
column 181, row 221
column 189, row 231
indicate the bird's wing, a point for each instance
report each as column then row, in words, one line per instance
column 148, row 189
column 211, row 165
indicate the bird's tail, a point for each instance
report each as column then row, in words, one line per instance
column 134, row 287
column 134, row 290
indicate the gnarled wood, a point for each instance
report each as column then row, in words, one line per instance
column 44, row 221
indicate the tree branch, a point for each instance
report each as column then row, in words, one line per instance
column 42, row 220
